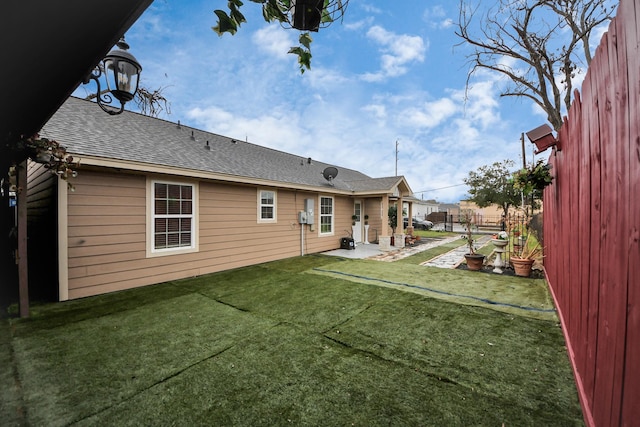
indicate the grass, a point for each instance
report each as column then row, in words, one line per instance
column 304, row 341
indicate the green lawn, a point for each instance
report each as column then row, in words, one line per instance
column 312, row 341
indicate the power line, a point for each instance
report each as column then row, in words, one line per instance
column 436, row 189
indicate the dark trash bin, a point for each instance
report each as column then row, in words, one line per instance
column 347, row 243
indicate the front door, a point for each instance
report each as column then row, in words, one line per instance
column 357, row 229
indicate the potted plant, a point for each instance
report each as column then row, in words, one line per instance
column 474, row 260
column 50, row 154
column 534, row 178
column 501, row 239
column 524, row 257
column 393, row 221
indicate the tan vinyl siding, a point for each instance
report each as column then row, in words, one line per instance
column 40, row 197
column 107, row 232
column 42, row 232
column 106, row 229
column 372, row 208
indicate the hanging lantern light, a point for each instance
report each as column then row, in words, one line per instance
column 122, row 74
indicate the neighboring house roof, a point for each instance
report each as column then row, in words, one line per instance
column 449, row 207
column 137, row 140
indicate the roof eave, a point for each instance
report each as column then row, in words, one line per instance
column 131, row 166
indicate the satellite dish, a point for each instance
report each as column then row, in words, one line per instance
column 330, row 173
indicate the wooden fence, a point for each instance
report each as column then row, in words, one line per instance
column 592, row 227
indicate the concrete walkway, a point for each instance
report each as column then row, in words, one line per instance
column 450, row 259
column 454, row 257
column 397, row 254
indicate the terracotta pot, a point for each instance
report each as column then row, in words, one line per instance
column 522, row 267
column 474, row 262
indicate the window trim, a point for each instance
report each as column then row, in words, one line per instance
column 150, row 241
column 320, row 215
column 260, row 205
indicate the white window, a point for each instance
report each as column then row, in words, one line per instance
column 267, row 206
column 326, row 215
column 173, row 221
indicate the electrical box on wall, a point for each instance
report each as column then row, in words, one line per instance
column 302, row 217
column 308, row 208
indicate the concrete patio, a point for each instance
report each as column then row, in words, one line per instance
column 373, row 251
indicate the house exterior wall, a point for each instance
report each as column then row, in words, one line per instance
column 372, row 207
column 491, row 214
column 420, row 209
column 41, row 226
column 107, row 243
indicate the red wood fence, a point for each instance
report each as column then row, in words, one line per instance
column 592, row 227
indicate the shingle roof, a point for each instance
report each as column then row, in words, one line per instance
column 86, row 130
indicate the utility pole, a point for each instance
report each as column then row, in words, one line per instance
column 396, row 157
column 524, row 155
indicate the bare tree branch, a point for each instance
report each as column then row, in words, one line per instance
column 152, row 103
column 538, row 45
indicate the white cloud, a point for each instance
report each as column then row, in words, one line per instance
column 429, row 115
column 446, row 23
column 379, row 111
column 436, row 17
column 398, row 51
column 274, row 40
column 356, row 25
column 368, row 7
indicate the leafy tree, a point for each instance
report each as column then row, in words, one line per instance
column 492, row 184
column 539, row 45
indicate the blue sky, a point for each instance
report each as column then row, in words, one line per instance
column 391, row 71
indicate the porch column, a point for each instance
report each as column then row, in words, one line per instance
column 384, row 239
column 410, row 216
column 398, row 238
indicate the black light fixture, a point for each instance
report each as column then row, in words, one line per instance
column 122, row 72
column 310, row 15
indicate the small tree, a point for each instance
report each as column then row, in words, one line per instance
column 393, row 217
column 492, row 185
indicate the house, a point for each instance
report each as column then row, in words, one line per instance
column 39, row 35
column 156, row 201
column 421, row 208
column 489, row 215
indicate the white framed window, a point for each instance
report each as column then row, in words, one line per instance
column 267, row 211
column 326, row 215
column 172, row 220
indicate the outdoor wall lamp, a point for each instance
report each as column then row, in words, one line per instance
column 542, row 137
column 122, row 73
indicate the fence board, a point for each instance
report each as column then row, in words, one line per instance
column 630, row 408
column 584, row 219
column 591, row 122
column 592, row 227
